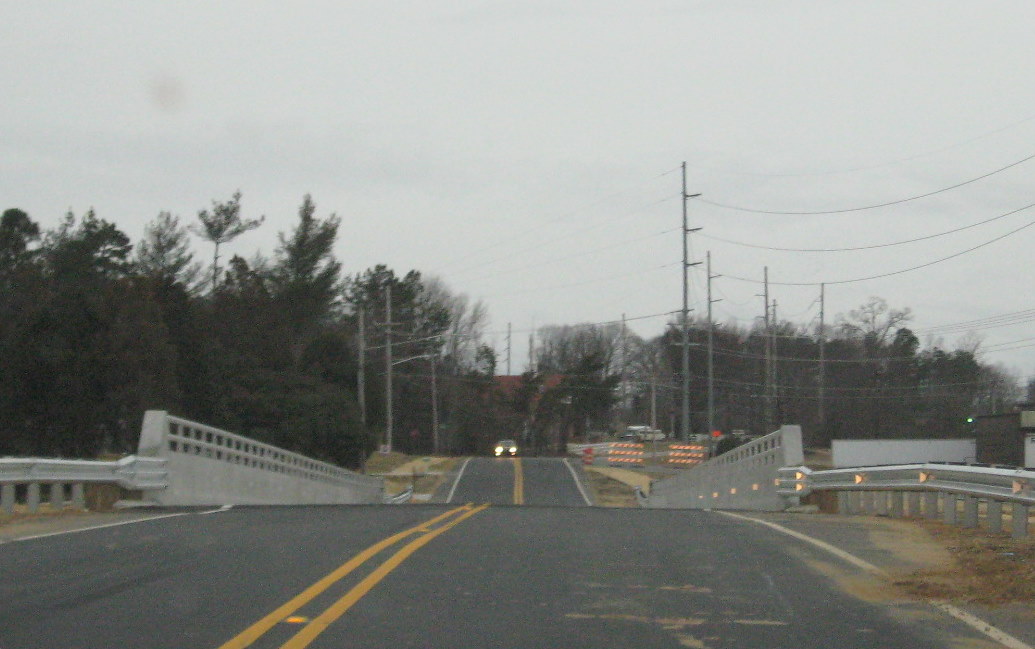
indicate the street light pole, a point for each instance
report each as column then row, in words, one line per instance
column 434, row 407
column 388, row 368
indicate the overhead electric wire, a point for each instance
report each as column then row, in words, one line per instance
column 583, row 283
column 832, row 172
column 554, row 239
column 871, row 247
column 1002, row 320
column 509, row 239
column 888, row 274
column 555, row 260
column 864, row 207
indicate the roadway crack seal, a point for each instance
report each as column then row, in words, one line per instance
column 995, row 633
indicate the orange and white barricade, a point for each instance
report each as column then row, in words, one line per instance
column 686, row 455
column 625, row 454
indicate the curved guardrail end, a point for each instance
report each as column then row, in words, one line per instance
column 399, row 498
column 641, row 498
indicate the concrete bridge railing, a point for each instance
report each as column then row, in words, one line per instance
column 743, row 478
column 210, row 466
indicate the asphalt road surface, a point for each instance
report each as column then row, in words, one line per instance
column 466, row 574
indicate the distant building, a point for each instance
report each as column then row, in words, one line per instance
column 1007, row 438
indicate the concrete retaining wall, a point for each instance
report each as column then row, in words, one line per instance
column 744, row 478
column 209, row 466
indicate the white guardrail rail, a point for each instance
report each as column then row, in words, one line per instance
column 65, row 480
column 958, row 494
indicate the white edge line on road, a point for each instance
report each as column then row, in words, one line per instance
column 995, row 633
column 452, row 491
column 578, row 483
column 96, row 527
column 216, row 511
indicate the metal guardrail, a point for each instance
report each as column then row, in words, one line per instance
column 929, row 490
column 133, row 472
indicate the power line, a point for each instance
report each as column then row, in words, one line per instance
column 580, row 254
column 566, row 215
column 1002, row 320
column 553, row 239
column 892, row 273
column 590, row 281
column 872, row 247
column 865, row 207
column 833, row 172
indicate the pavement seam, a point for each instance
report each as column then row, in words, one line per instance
column 971, row 620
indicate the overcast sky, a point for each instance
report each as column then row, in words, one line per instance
column 528, row 154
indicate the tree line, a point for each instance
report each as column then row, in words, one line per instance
column 870, row 377
column 94, row 330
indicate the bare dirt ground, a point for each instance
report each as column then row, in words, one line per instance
column 981, row 568
column 400, row 471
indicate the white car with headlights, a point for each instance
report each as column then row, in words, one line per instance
column 505, row 447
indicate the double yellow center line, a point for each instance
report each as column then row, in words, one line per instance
column 317, row 625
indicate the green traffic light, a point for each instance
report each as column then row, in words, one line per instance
column 970, row 420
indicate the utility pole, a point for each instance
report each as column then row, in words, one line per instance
column 654, row 398
column 434, row 405
column 508, row 349
column 685, row 320
column 711, row 348
column 388, row 367
column 768, row 354
column 821, row 414
column 361, row 373
column 774, row 380
column 622, row 374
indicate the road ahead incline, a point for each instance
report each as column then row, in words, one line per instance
column 467, row 574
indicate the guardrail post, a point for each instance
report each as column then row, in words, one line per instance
column 7, row 498
column 913, row 502
column 842, row 502
column 931, row 505
column 32, row 498
column 970, row 511
column 897, row 504
column 994, row 516
column 949, row 505
column 1019, row 513
column 78, row 496
column 853, row 503
column 881, row 498
column 57, row 496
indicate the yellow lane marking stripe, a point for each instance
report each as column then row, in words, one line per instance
column 255, row 631
column 309, row 632
column 519, row 483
